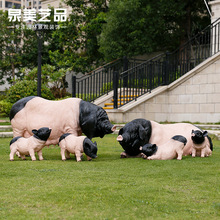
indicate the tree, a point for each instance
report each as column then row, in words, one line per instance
column 77, row 46
column 10, row 49
column 142, row 26
column 18, row 48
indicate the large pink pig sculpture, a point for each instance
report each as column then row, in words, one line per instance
column 71, row 115
column 69, row 143
column 140, row 132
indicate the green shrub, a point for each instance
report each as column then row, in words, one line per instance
column 26, row 88
column 5, row 107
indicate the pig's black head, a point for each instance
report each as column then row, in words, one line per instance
column 94, row 120
column 133, row 135
column 198, row 136
column 42, row 133
column 90, row 148
column 149, row 149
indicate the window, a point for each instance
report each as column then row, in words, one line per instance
column 8, row 4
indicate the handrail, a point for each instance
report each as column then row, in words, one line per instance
column 136, row 77
column 100, row 81
column 167, row 67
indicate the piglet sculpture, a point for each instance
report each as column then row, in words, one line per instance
column 200, row 146
column 70, row 143
column 170, row 150
column 30, row 145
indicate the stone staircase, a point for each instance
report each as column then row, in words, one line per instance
column 5, row 130
column 121, row 99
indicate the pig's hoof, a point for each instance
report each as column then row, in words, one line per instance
column 123, row 155
column 63, row 159
column 11, row 159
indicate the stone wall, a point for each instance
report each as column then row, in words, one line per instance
column 195, row 97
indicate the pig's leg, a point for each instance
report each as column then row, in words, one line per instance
column 18, row 154
column 179, row 154
column 78, row 156
column 22, row 157
column 32, row 154
column 88, row 158
column 40, row 155
column 193, row 152
column 63, row 153
column 208, row 152
column 153, row 157
column 123, row 155
column 203, row 152
column 12, row 153
column 67, row 155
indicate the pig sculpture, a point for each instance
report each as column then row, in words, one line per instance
column 201, row 141
column 140, row 132
column 69, row 143
column 30, row 145
column 70, row 115
column 168, row 151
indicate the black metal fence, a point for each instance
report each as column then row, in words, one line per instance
column 131, row 78
column 166, row 68
column 100, row 81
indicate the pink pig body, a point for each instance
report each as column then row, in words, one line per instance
column 62, row 116
column 202, row 150
column 168, row 151
column 74, row 145
column 26, row 146
column 77, row 145
column 164, row 132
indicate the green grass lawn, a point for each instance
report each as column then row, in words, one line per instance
column 109, row 187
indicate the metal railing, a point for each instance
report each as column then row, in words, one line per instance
column 100, row 81
column 166, row 68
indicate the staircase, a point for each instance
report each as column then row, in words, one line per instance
column 121, row 100
column 130, row 79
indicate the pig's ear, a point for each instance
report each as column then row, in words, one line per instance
column 34, row 131
column 142, row 132
column 114, row 128
column 119, row 138
column 205, row 133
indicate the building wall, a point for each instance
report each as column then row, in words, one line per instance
column 6, row 4
column 195, row 97
column 56, row 4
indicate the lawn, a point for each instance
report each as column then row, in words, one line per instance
column 109, row 187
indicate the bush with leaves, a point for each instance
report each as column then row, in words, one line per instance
column 5, row 107
column 51, row 77
column 26, row 88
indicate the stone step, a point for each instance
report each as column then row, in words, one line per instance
column 6, row 134
column 5, row 127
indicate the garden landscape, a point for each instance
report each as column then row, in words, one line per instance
column 109, row 187
column 119, row 102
